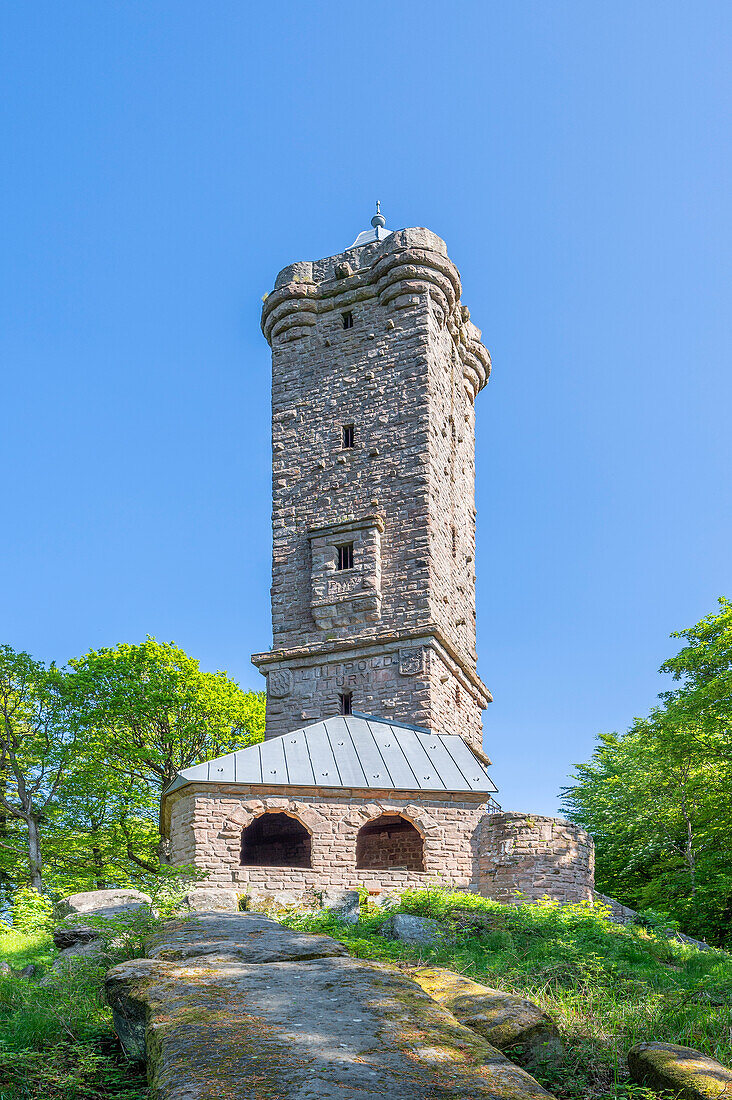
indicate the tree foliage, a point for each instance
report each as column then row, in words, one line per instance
column 87, row 751
column 658, row 798
column 37, row 747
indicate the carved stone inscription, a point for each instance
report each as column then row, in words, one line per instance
column 327, row 680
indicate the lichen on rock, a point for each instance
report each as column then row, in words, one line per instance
column 504, row 1019
column 686, row 1072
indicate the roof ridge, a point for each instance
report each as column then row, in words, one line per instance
column 389, row 722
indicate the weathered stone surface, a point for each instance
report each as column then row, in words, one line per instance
column 318, row 1030
column 504, row 1019
column 107, row 903
column 343, row 904
column 216, row 938
column 409, row 929
column 687, row 1073
column 70, row 936
column 5, row 968
column 81, row 953
column 209, row 899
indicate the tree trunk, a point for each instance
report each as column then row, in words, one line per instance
column 689, row 854
column 99, row 868
column 34, row 852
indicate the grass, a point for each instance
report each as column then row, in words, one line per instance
column 606, row 986
column 56, row 1037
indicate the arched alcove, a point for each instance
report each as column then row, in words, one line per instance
column 389, row 843
column 276, row 840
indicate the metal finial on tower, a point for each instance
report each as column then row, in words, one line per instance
column 376, row 233
column 378, row 221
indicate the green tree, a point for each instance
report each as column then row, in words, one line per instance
column 38, row 746
column 149, row 711
column 658, row 799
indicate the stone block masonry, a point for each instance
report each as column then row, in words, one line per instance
column 375, row 367
column 206, row 823
column 525, row 857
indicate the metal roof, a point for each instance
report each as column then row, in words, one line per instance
column 352, row 751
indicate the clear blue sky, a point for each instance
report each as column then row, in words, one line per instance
column 162, row 161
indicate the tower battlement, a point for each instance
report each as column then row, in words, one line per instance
column 408, row 262
column 375, row 368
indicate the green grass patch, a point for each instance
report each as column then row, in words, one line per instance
column 56, row 1035
column 606, row 986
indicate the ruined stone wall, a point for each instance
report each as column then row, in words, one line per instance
column 524, row 857
column 206, row 823
column 405, row 375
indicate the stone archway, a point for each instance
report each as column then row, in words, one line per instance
column 389, row 842
column 276, row 839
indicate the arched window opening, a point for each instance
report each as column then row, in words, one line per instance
column 275, row 840
column 389, row 843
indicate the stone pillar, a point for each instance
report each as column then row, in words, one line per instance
column 524, row 857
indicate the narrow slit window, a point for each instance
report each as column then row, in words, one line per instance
column 349, row 436
column 454, row 542
column 346, row 702
column 347, row 319
column 345, row 556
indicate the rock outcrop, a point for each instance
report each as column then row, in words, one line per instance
column 236, row 1005
column 505, row 1020
column 82, row 942
column 685, row 1072
column 103, row 903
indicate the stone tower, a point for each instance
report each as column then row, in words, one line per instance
column 375, row 368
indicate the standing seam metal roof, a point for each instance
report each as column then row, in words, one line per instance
column 350, row 751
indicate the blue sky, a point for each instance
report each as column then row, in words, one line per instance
column 162, row 161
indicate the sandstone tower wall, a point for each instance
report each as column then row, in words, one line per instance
column 375, row 339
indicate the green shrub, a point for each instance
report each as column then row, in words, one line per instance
column 31, row 910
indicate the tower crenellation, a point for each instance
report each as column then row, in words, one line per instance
column 375, row 369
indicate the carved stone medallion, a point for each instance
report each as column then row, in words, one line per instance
column 411, row 661
column 279, row 683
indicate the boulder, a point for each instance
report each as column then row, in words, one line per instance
column 102, row 903
column 687, row 1073
column 29, row 971
column 409, row 929
column 81, row 952
column 332, row 1028
column 212, row 898
column 5, row 968
column 72, row 935
column 505, row 1020
column 343, row 904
